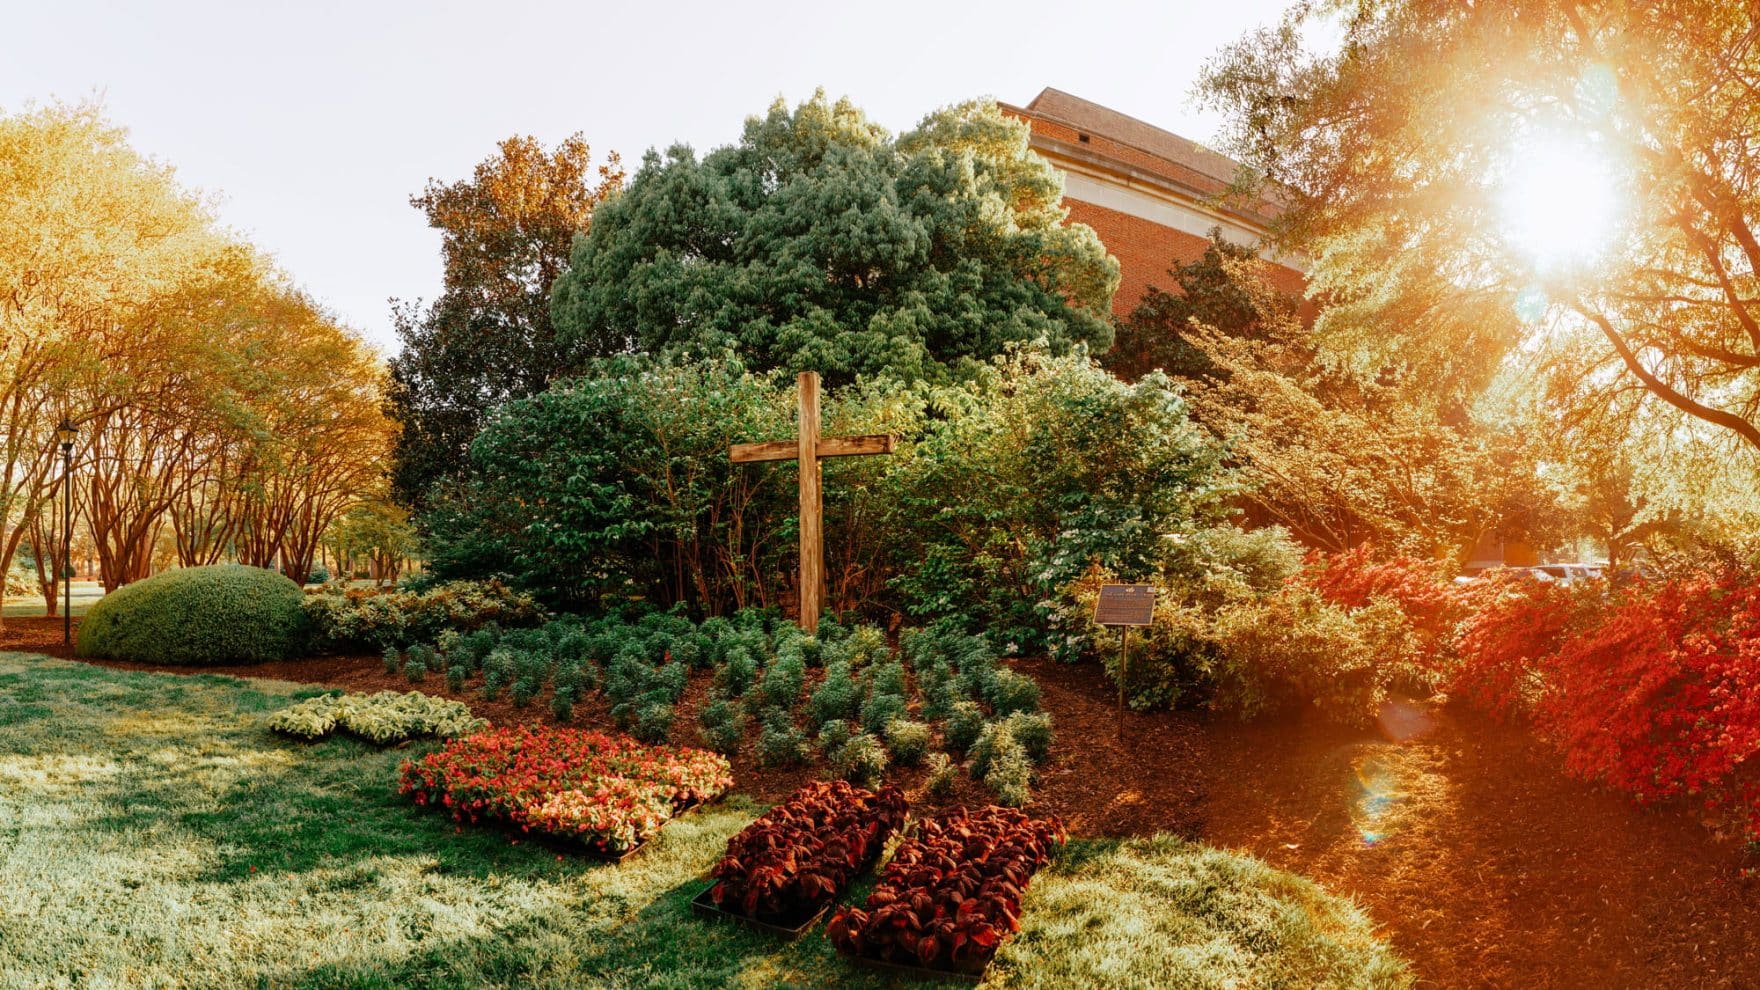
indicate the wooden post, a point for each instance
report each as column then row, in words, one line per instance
column 807, row 450
column 812, row 509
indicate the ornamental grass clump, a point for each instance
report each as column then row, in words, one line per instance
column 952, row 892
column 606, row 791
column 793, row 860
column 383, row 718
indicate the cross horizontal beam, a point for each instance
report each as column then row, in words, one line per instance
column 788, row 450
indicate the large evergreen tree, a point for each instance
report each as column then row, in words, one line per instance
column 506, row 233
column 818, row 242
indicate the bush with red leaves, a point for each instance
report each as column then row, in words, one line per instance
column 1661, row 697
column 607, row 791
column 795, row 858
column 952, row 892
column 1514, row 623
column 1429, row 602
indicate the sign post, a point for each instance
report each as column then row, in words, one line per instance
column 1124, row 606
column 808, row 449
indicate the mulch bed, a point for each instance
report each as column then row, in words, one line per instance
column 1478, row 858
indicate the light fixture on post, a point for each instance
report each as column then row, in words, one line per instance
column 65, row 434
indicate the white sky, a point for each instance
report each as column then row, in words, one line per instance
column 315, row 121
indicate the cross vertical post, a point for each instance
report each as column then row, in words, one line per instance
column 812, row 506
column 807, row 449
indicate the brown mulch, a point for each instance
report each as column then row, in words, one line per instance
column 1461, row 838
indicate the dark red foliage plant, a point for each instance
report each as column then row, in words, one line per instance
column 952, row 892
column 795, row 858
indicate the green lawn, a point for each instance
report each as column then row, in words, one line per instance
column 85, row 593
column 153, row 834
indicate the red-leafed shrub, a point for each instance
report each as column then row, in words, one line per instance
column 790, row 862
column 1514, row 624
column 1661, row 697
column 952, row 892
column 608, row 791
column 1422, row 590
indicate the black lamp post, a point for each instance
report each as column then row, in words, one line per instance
column 66, row 433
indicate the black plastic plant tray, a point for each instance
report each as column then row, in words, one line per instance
column 921, row 972
column 705, row 906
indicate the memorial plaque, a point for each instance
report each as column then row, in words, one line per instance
column 1125, row 605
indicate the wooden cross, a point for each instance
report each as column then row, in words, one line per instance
column 808, row 448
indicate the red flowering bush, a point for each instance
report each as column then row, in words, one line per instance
column 792, row 860
column 1661, row 697
column 607, row 791
column 952, row 892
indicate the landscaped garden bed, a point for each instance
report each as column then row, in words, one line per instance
column 783, row 871
column 606, row 792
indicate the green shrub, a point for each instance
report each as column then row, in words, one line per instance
column 1033, row 732
column 1012, row 692
column 861, row 760
column 782, row 681
column 832, row 736
column 737, row 671
column 497, row 671
column 393, row 660
column 654, row 722
column 1009, row 775
column 908, row 741
column 995, row 738
column 887, row 678
column 861, row 647
column 943, row 775
column 722, row 726
column 781, row 744
column 964, row 724
column 225, row 614
column 838, row 696
column 358, row 619
column 879, row 711
column 417, row 662
column 382, row 718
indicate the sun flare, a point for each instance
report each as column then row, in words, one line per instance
column 1560, row 202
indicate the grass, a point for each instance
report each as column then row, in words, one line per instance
column 154, row 834
column 85, row 595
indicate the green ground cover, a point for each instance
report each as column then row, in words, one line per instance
column 154, row 833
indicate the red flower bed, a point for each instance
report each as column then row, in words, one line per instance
column 607, row 791
column 791, row 861
column 952, row 892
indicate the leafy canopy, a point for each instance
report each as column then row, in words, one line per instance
column 505, row 233
column 1400, row 149
column 819, row 242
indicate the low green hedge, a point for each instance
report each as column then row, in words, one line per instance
column 224, row 614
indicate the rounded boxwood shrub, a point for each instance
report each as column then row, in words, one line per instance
column 224, row 614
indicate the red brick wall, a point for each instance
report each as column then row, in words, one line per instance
column 1146, row 250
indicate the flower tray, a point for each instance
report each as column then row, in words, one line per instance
column 920, row 972
column 703, row 905
column 706, row 907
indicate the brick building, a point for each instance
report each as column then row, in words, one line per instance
column 1151, row 195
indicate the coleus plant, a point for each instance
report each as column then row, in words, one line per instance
column 792, row 860
column 608, row 791
column 952, row 892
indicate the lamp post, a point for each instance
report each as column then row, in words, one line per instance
column 66, row 433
